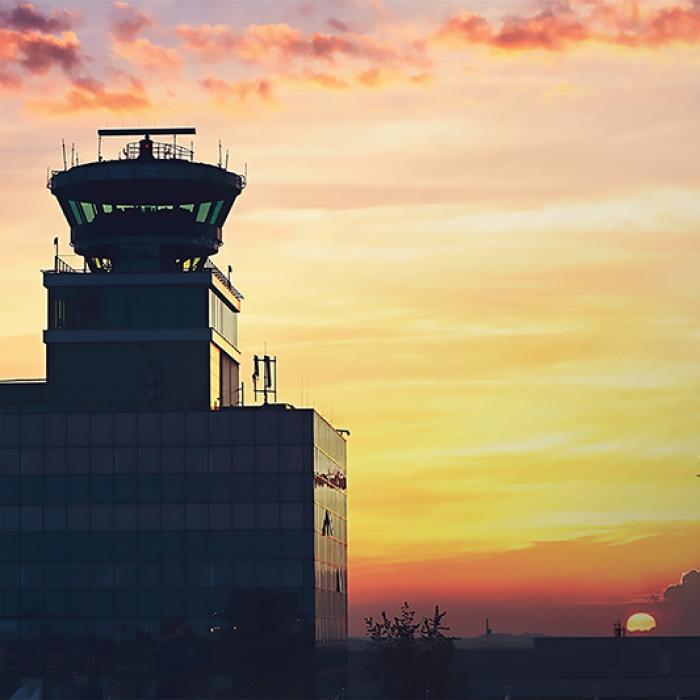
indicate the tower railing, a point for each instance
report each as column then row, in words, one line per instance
column 62, row 266
column 160, row 151
column 209, row 265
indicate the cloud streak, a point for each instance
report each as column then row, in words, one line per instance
column 90, row 94
column 281, row 43
column 566, row 25
column 24, row 16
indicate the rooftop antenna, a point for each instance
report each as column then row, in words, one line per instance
column 63, row 148
column 489, row 631
column 191, row 150
column 72, row 154
column 269, row 377
column 219, row 152
column 99, row 147
column 226, row 165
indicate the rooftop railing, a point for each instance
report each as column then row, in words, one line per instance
column 62, row 266
column 209, row 265
column 160, row 151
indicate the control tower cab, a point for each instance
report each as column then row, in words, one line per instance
column 146, row 313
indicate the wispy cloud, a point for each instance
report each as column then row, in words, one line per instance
column 88, row 94
column 564, row 25
column 237, row 90
column 127, row 24
column 265, row 43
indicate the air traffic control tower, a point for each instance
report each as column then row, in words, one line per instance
column 155, row 324
column 159, row 538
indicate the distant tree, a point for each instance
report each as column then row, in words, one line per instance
column 409, row 660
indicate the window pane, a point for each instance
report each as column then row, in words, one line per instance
column 88, row 211
column 215, row 211
column 76, row 212
column 202, row 212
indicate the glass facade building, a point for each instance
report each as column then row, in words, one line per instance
column 172, row 554
column 159, row 539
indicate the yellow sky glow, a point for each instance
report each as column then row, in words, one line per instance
column 490, row 275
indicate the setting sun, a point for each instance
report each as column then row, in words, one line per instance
column 640, row 622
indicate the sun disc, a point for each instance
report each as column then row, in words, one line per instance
column 640, row 622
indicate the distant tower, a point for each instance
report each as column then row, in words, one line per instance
column 136, row 333
column 489, row 631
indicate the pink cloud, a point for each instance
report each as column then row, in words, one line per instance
column 89, row 94
column 151, row 57
column 237, row 89
column 33, row 42
column 37, row 52
column 24, row 16
column 128, row 21
column 261, row 43
column 338, row 25
column 624, row 23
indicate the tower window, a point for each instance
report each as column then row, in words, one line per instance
column 216, row 211
column 202, row 212
column 88, row 211
column 75, row 211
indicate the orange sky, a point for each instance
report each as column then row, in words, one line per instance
column 470, row 235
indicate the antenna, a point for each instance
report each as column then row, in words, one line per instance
column 72, row 154
column 154, row 131
column 219, row 152
column 226, row 165
column 63, row 148
column 99, row 147
column 269, row 383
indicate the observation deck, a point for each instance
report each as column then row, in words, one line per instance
column 153, row 209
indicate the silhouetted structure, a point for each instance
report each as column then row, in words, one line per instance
column 564, row 668
column 157, row 537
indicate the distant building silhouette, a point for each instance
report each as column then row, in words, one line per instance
column 157, row 537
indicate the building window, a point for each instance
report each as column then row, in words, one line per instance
column 223, row 319
column 78, row 219
column 216, row 211
column 88, row 211
column 202, row 212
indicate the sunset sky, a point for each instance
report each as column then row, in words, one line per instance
column 471, row 236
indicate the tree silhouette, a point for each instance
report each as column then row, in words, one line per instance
column 409, row 660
